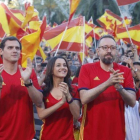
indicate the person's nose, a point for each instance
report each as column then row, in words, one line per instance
column 109, row 49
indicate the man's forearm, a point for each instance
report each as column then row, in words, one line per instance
column 129, row 97
column 35, row 95
column 89, row 95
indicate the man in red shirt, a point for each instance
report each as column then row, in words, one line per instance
column 18, row 90
column 104, row 89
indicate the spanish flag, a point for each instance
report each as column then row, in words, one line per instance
column 30, row 43
column 93, row 33
column 3, row 20
column 73, row 6
column 13, row 22
column 89, row 26
column 107, row 20
column 18, row 14
column 29, row 14
column 89, row 41
column 126, row 2
column 41, row 53
column 55, row 24
column 99, row 31
column 134, row 34
column 2, row 33
column 73, row 39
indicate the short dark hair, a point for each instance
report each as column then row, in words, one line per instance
column 11, row 38
column 136, row 63
column 105, row 36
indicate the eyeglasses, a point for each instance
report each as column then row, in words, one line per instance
column 105, row 48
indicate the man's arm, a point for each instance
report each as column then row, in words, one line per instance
column 87, row 96
column 35, row 95
column 128, row 96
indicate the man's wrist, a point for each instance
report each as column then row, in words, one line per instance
column 119, row 87
column 28, row 83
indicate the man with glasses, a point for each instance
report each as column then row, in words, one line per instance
column 104, row 88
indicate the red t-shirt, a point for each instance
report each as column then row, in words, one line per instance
column 105, row 114
column 59, row 125
column 16, row 108
column 75, row 80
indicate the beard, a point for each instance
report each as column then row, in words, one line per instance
column 108, row 60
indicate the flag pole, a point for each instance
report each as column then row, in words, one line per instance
column 125, row 24
column 35, row 62
column 61, row 40
column 94, row 38
column 83, row 40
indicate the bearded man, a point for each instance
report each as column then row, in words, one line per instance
column 105, row 88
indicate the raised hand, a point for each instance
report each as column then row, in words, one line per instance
column 25, row 74
column 134, row 48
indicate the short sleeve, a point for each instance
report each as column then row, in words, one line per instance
column 84, row 78
column 75, row 92
column 128, row 81
column 35, row 81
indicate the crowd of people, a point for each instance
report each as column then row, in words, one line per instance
column 97, row 100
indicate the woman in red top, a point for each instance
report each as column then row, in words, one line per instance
column 60, row 104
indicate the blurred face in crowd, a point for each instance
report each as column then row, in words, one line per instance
column 72, row 72
column 38, row 67
column 75, row 57
column 91, row 53
column 130, row 54
column 77, row 64
column 70, row 62
column 107, row 50
column 133, row 73
column 137, row 82
column 117, row 57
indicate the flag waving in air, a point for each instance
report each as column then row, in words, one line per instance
column 73, row 6
column 73, row 39
column 134, row 34
column 126, row 2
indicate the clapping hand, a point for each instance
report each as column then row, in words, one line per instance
column 115, row 77
column 25, row 74
column 64, row 88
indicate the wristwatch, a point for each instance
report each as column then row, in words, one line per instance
column 29, row 84
column 120, row 88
